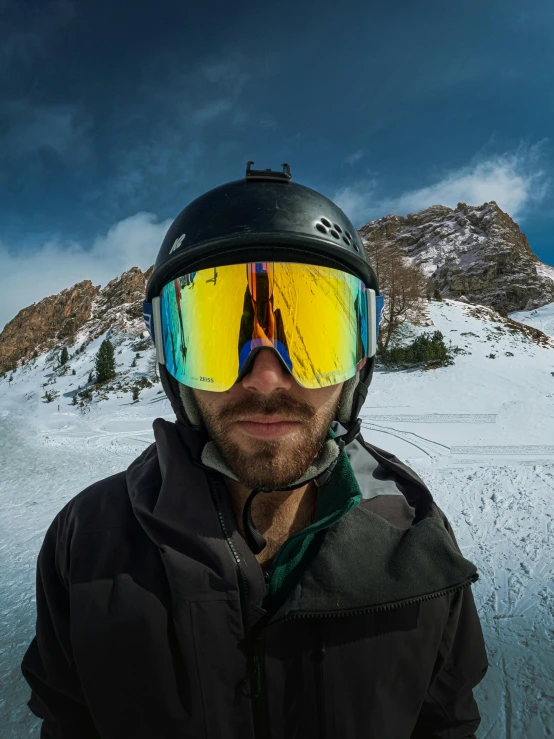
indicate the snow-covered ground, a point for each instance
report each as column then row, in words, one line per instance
column 480, row 433
column 541, row 318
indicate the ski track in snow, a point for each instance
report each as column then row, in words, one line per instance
column 495, row 521
column 483, row 451
column 438, row 418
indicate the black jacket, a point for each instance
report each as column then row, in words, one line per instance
column 155, row 621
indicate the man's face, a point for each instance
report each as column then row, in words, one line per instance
column 267, row 427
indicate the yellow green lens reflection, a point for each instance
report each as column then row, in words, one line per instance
column 314, row 317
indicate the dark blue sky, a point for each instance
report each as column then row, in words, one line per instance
column 114, row 115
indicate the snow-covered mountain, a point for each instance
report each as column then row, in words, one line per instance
column 475, row 252
column 74, row 317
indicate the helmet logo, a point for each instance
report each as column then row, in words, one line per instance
column 178, row 242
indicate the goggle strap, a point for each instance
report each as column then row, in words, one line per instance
column 371, row 323
column 379, row 309
column 147, row 315
column 157, row 314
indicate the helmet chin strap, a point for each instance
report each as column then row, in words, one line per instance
column 354, row 395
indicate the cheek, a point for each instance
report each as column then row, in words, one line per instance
column 211, row 402
column 327, row 397
column 204, row 400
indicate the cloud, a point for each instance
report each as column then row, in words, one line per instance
column 28, row 276
column 152, row 165
column 357, row 201
column 508, row 179
column 227, row 73
column 210, row 112
column 355, row 157
column 515, row 180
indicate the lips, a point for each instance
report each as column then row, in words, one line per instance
column 267, row 427
column 267, row 419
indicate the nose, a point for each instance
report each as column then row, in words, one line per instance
column 267, row 374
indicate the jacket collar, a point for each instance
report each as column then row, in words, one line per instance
column 362, row 562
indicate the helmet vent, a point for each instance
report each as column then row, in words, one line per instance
column 326, row 222
column 321, row 228
column 347, row 238
column 335, row 234
column 337, row 228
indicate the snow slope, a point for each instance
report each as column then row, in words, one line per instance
column 480, row 433
column 541, row 318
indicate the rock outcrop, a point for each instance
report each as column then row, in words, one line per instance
column 119, row 305
column 79, row 313
column 476, row 253
column 54, row 320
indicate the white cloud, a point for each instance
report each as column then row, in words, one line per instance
column 355, row 157
column 210, row 112
column 28, row 276
column 515, row 180
column 357, row 201
column 506, row 179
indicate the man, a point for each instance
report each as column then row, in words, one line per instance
column 259, row 572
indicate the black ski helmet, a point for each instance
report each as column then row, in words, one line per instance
column 262, row 218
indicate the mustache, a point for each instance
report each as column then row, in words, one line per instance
column 282, row 405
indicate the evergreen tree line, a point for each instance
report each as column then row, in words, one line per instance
column 426, row 348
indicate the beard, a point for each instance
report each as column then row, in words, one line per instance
column 269, row 464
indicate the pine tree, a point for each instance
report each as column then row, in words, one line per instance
column 105, row 362
column 64, row 356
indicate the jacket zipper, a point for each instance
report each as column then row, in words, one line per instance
column 318, row 657
column 260, row 718
column 254, row 648
column 386, row 606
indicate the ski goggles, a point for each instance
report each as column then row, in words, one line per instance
column 208, row 325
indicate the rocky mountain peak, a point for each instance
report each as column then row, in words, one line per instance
column 119, row 305
column 475, row 252
column 53, row 320
column 76, row 314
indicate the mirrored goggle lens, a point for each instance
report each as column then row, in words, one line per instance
column 316, row 319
